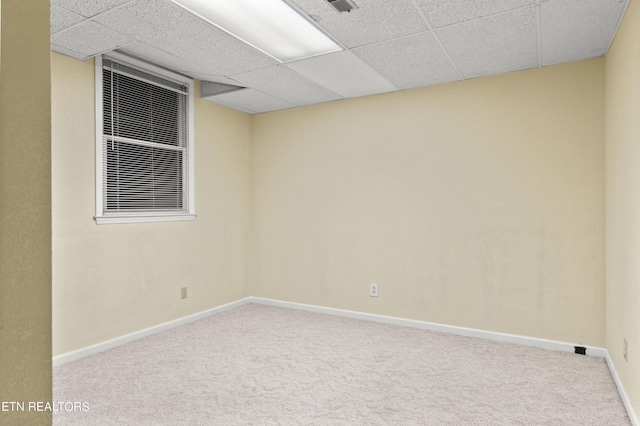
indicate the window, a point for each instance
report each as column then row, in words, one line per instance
column 144, row 150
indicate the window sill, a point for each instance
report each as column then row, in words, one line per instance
column 104, row 220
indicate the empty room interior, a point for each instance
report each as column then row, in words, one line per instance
column 465, row 167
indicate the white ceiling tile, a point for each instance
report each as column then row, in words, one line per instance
column 373, row 21
column 442, row 13
column 89, row 38
column 250, row 101
column 283, row 83
column 166, row 60
column 222, row 53
column 172, row 29
column 211, row 88
column 391, row 40
column 139, row 19
column 572, row 30
column 207, row 76
column 412, row 61
column 68, row 52
column 159, row 57
column 343, row 73
column 154, row 22
column 88, row 8
column 62, row 18
column 495, row 44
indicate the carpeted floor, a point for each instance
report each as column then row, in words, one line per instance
column 265, row 365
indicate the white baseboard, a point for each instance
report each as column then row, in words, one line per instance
column 553, row 345
column 442, row 328
column 623, row 393
column 109, row 344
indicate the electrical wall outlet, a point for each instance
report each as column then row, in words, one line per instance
column 373, row 290
column 183, row 293
column 624, row 349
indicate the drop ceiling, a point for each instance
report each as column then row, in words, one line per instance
column 388, row 45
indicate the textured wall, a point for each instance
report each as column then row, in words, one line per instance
column 25, row 209
column 623, row 201
column 110, row 280
column 478, row 204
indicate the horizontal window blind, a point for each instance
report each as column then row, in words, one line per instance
column 144, row 142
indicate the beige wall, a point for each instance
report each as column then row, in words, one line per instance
column 477, row 204
column 110, row 280
column 623, row 201
column 25, row 209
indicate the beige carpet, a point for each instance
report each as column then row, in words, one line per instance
column 265, row 365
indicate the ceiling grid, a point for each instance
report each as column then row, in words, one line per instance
column 387, row 46
column 437, row 39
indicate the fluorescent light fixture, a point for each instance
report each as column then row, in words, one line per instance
column 270, row 26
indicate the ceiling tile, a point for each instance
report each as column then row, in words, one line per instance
column 62, row 18
column 211, row 88
column 180, row 33
column 343, row 73
column 283, row 83
column 413, row 61
column 442, row 13
column 89, row 39
column 373, row 21
column 250, row 101
column 88, row 8
column 222, row 53
column 391, row 44
column 139, row 19
column 495, row 44
column 572, row 30
column 161, row 58
column 209, row 76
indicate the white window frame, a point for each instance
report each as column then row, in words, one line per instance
column 134, row 217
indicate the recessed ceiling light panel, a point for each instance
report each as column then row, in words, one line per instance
column 270, row 26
